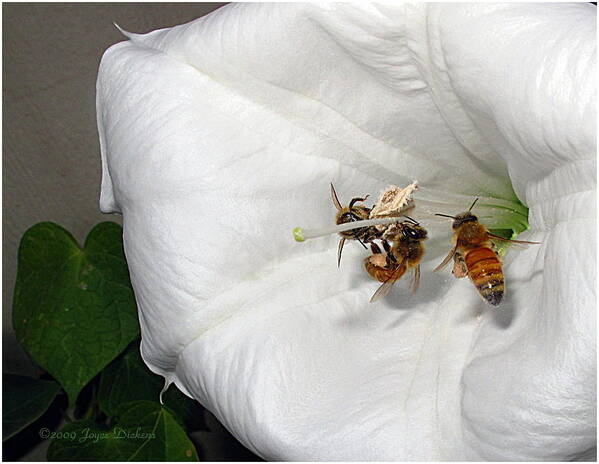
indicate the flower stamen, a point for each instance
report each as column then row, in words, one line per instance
column 302, row 235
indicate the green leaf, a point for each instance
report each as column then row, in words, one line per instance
column 24, row 400
column 74, row 309
column 128, row 379
column 144, row 431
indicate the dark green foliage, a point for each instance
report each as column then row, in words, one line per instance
column 143, row 431
column 74, row 312
column 23, row 401
column 128, row 379
column 74, row 309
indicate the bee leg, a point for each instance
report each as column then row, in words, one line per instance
column 375, row 248
column 391, row 258
column 339, row 250
column 386, row 246
column 356, row 199
column 362, row 243
column 459, row 266
column 413, row 221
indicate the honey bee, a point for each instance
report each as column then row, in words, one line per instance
column 405, row 253
column 351, row 213
column 474, row 256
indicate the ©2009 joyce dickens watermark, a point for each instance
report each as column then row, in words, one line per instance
column 94, row 436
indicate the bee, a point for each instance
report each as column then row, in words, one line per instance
column 351, row 213
column 405, row 253
column 474, row 256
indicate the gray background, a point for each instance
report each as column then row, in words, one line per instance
column 51, row 157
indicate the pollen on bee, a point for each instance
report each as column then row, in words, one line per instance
column 378, row 259
column 394, row 201
column 392, row 204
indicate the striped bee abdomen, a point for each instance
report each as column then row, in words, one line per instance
column 484, row 269
column 383, row 273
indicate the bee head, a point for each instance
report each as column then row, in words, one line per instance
column 413, row 231
column 462, row 218
column 346, row 217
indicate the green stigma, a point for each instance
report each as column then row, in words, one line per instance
column 298, row 234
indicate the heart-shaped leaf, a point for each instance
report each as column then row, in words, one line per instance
column 128, row 379
column 74, row 309
column 144, row 431
column 24, row 400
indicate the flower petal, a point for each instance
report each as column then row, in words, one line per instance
column 351, row 93
column 543, row 342
column 216, row 142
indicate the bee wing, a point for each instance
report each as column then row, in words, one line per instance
column 339, row 250
column 415, row 279
column 386, row 286
column 448, row 258
column 335, row 199
column 517, row 243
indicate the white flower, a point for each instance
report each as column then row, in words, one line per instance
column 221, row 135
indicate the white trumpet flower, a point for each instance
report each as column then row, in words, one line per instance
column 221, row 135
